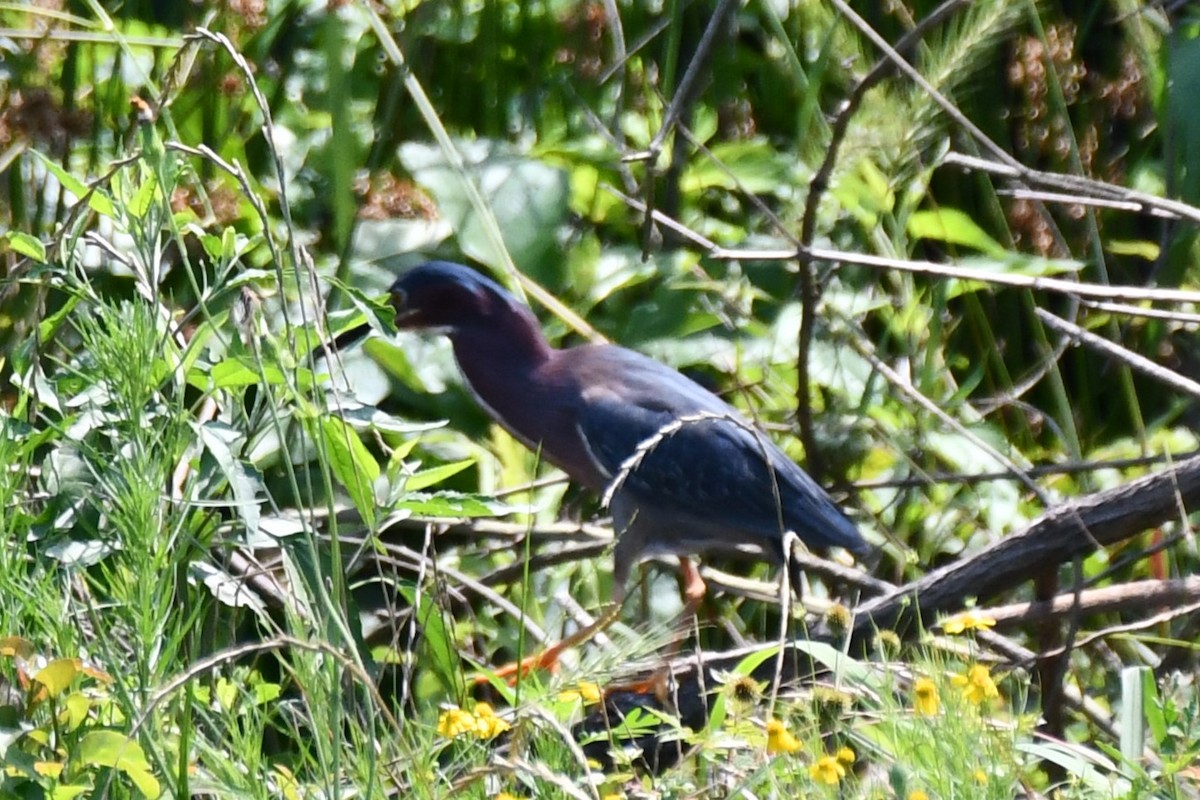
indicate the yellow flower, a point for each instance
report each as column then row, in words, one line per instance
column 506, row 796
column 827, row 770
column 917, row 794
column 927, row 702
column 780, row 740
column 484, row 723
column 845, row 755
column 454, row 722
column 589, row 693
column 613, row 796
column 977, row 685
column 980, row 776
column 967, row 621
column 487, row 724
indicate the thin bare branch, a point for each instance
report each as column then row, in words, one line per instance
column 1122, row 354
column 1138, row 596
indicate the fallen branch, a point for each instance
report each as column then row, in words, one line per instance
column 1072, row 529
column 1148, row 596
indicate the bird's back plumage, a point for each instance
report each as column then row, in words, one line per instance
column 700, row 462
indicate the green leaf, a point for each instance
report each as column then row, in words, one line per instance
column 26, row 245
column 117, row 751
column 1152, row 706
column 69, row 791
column 140, row 203
column 843, row 666
column 1132, row 247
column 58, row 674
column 232, row 372
column 528, row 198
column 1183, row 115
column 353, row 465
column 97, row 199
column 435, row 475
column 751, row 165
column 437, row 639
column 229, row 373
column 1081, row 762
column 1131, row 726
column 227, row 693
column 75, row 710
column 452, row 504
column 952, row 226
column 220, row 440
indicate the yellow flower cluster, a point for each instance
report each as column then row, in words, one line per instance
column 828, row 770
column 482, row 723
column 967, row 621
column 927, row 701
column 588, row 693
column 781, row 740
column 977, row 685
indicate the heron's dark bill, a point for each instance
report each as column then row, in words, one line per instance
column 405, row 317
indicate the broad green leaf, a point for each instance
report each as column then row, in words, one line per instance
column 97, row 199
column 842, row 665
column 952, row 226
column 140, row 203
column 452, row 504
column 75, row 709
column 435, row 475
column 143, row 779
column 437, row 639
column 58, row 674
column 227, row 693
column 352, row 464
column 232, row 372
column 1183, row 113
column 220, row 440
column 115, row 750
column 69, row 791
column 528, row 198
column 1131, row 726
column 750, row 165
column 26, row 245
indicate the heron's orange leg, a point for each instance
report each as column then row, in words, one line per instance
column 693, row 589
column 658, row 683
column 548, row 658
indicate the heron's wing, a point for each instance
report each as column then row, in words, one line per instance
column 693, row 456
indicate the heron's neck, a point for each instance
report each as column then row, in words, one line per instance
column 511, row 348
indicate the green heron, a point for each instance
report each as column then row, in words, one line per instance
column 682, row 471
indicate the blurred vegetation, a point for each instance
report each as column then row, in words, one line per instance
column 239, row 564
